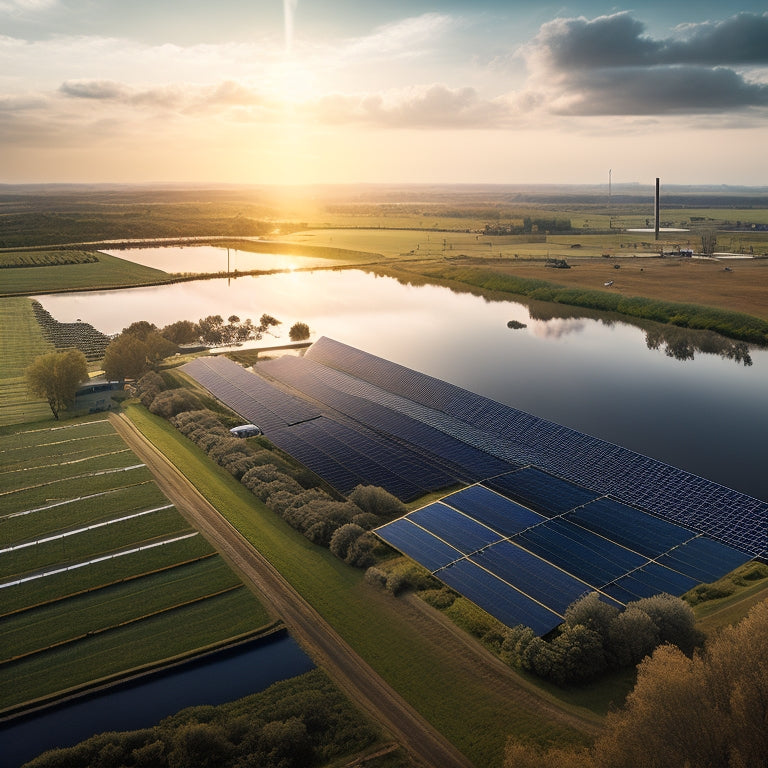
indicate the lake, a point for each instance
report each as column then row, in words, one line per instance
column 592, row 372
column 214, row 679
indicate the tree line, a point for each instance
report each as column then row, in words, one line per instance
column 708, row 710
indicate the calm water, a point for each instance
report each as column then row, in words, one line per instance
column 211, row 259
column 222, row 677
column 708, row 414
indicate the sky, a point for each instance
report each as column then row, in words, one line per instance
column 402, row 91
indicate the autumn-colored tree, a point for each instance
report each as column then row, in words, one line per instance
column 56, row 376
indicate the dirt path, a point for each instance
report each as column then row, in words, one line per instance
column 358, row 680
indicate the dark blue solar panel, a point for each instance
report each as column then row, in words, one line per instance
column 337, row 475
column 703, row 559
column 531, row 575
column 418, row 544
column 630, row 527
column 640, row 481
column 652, row 579
column 457, row 529
column 587, row 556
column 493, row 510
column 541, row 491
column 497, row 597
column 249, row 395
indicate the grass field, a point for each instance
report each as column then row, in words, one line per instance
column 99, row 574
column 108, row 272
column 476, row 716
column 21, row 340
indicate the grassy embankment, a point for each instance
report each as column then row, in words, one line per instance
column 476, row 716
column 72, row 628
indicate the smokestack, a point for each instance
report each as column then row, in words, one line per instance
column 657, row 209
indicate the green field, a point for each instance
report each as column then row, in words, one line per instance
column 99, row 573
column 108, row 272
column 476, row 716
column 21, row 340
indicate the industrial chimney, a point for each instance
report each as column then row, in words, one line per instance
column 657, row 209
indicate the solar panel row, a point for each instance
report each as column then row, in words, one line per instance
column 670, row 493
column 533, row 541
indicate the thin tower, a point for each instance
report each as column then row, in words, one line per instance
column 657, row 209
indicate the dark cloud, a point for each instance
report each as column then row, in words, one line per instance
column 609, row 65
column 742, row 39
column 662, row 90
column 92, row 89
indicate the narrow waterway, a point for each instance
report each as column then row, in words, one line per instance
column 214, row 679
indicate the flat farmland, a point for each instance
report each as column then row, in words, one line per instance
column 99, row 573
column 106, row 272
column 21, row 340
column 704, row 282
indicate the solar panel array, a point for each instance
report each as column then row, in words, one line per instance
column 524, row 567
column 345, row 439
column 606, row 469
column 550, row 513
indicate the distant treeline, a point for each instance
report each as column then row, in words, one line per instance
column 46, row 259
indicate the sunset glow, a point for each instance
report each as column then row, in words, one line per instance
column 401, row 92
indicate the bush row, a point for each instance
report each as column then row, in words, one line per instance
column 597, row 638
column 296, row 723
column 342, row 526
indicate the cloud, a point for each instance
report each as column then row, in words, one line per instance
column 434, row 106
column 92, row 89
column 407, row 37
column 22, row 6
column 609, row 66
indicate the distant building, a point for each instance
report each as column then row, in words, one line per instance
column 96, row 395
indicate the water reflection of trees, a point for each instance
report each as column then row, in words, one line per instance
column 676, row 342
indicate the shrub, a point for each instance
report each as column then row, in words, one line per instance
column 343, row 538
column 173, row 401
column 377, row 501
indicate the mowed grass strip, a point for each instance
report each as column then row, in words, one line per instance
column 160, row 637
column 73, row 513
column 68, row 583
column 87, row 544
column 107, row 272
column 111, row 605
column 475, row 714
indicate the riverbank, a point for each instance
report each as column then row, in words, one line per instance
column 686, row 294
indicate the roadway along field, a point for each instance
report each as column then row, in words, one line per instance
column 348, row 670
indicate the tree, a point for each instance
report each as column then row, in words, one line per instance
column 125, row 358
column 298, row 332
column 181, row 332
column 708, row 242
column 135, row 351
column 56, row 377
